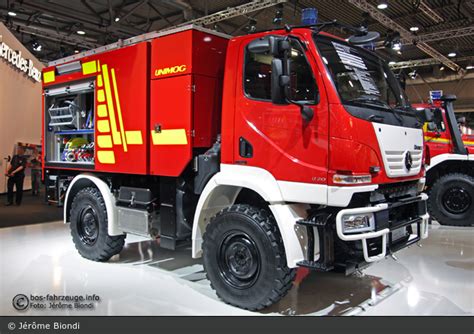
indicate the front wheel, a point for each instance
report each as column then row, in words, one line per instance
column 89, row 227
column 451, row 200
column 244, row 258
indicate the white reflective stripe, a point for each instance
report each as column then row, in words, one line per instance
column 303, row 192
column 341, row 196
column 258, row 179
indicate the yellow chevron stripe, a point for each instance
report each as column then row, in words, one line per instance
column 134, row 137
column 119, row 110
column 106, row 157
column 100, row 82
column 169, row 137
column 102, row 110
column 89, row 67
column 108, row 91
column 103, row 126
column 104, row 141
column 49, row 76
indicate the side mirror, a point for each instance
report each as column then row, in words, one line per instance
column 461, row 120
column 277, row 46
column 280, row 82
column 432, row 126
column 428, row 115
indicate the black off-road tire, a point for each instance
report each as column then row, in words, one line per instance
column 88, row 210
column 245, row 232
column 451, row 200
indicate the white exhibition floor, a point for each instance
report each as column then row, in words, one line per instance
column 435, row 279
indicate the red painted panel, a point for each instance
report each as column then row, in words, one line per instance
column 171, row 55
column 171, row 106
column 282, row 143
column 130, row 104
column 206, row 110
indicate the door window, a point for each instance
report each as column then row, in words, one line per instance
column 258, row 70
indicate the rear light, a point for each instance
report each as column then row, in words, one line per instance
column 358, row 223
column 351, row 179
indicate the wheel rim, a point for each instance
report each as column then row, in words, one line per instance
column 457, row 200
column 239, row 260
column 88, row 226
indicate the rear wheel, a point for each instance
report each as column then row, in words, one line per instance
column 89, row 227
column 451, row 200
column 244, row 258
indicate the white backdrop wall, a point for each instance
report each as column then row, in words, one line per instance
column 20, row 104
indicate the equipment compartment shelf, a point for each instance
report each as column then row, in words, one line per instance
column 75, row 132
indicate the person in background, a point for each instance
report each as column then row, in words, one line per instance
column 16, row 175
column 35, row 174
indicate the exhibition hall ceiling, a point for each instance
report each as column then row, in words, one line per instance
column 55, row 28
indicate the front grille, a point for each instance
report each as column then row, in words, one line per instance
column 391, row 191
column 395, row 161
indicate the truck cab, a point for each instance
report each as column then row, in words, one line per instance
column 450, row 164
column 266, row 152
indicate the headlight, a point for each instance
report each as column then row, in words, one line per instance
column 358, row 223
column 351, row 179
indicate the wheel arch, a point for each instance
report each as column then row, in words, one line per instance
column 448, row 166
column 224, row 190
column 82, row 181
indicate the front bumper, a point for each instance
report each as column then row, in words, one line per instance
column 388, row 218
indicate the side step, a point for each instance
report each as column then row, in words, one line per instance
column 315, row 265
column 326, row 243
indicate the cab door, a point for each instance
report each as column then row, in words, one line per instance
column 276, row 137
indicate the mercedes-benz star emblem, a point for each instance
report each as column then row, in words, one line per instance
column 408, row 161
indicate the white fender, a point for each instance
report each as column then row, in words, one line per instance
column 222, row 190
column 448, row 156
column 109, row 201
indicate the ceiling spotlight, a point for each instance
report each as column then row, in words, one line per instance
column 392, row 63
column 397, row 46
column 382, row 5
column 413, row 75
column 452, row 54
column 76, row 51
column 414, row 29
column 117, row 19
column 441, row 68
column 278, row 14
column 11, row 13
column 36, row 46
column 81, row 32
column 469, row 67
column 252, row 26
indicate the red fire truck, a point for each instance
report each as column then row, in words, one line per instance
column 450, row 168
column 267, row 152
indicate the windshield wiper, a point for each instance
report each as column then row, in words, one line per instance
column 374, row 101
column 363, row 99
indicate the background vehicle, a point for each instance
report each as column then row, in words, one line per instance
column 269, row 152
column 450, row 172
